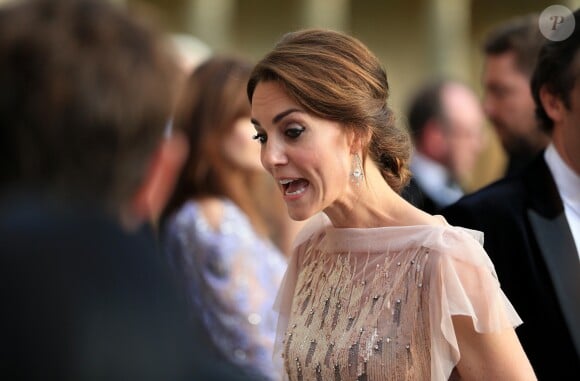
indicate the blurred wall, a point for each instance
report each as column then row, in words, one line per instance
column 415, row 39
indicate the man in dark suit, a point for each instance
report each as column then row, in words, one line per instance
column 446, row 121
column 531, row 221
column 85, row 95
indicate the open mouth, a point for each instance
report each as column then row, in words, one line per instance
column 294, row 187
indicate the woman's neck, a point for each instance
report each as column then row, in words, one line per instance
column 373, row 203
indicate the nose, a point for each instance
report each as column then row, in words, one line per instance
column 273, row 154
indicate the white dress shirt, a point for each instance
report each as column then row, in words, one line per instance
column 568, row 183
column 435, row 180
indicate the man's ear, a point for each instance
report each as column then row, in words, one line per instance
column 552, row 104
column 161, row 177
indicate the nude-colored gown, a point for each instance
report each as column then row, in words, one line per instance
column 376, row 304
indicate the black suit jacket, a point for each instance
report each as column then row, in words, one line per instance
column 81, row 299
column 416, row 196
column 530, row 243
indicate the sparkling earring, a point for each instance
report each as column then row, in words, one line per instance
column 357, row 173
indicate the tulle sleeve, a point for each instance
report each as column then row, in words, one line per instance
column 463, row 282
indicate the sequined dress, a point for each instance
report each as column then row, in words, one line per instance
column 376, row 304
column 232, row 276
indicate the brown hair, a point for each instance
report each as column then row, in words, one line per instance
column 212, row 100
column 334, row 76
column 85, row 94
column 557, row 71
column 521, row 36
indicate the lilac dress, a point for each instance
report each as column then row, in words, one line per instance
column 232, row 276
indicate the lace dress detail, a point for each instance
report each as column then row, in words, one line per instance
column 376, row 304
column 232, row 276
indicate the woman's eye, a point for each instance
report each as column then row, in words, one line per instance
column 294, row 132
column 261, row 138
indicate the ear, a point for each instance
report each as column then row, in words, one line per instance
column 357, row 140
column 161, row 177
column 552, row 104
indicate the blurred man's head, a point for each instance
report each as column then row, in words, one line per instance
column 86, row 93
column 511, row 51
column 446, row 122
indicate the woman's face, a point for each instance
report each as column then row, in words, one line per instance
column 240, row 149
column 309, row 157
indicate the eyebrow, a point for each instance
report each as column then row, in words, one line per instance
column 278, row 117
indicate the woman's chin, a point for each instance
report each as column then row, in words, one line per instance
column 299, row 215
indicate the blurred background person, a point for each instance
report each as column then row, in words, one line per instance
column 191, row 51
column 214, row 233
column 442, row 38
column 446, row 123
column 85, row 94
column 531, row 220
column 511, row 51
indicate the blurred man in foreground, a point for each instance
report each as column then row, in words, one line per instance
column 86, row 92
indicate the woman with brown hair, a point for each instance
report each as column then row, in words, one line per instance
column 213, row 230
column 376, row 288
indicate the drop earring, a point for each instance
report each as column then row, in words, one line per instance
column 357, row 173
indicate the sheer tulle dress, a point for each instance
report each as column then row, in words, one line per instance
column 376, row 304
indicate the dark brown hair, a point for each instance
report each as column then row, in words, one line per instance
column 212, row 100
column 86, row 91
column 557, row 71
column 336, row 77
column 521, row 36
